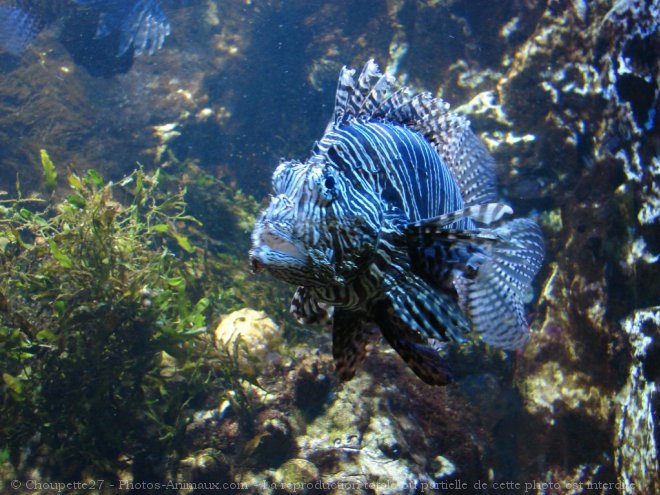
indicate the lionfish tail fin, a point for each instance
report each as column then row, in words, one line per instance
column 493, row 298
column 146, row 28
column 375, row 96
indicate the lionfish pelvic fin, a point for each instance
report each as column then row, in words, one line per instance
column 350, row 336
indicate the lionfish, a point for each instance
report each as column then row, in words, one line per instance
column 379, row 228
column 141, row 23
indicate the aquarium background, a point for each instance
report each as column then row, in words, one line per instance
column 139, row 353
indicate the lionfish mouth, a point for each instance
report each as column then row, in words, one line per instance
column 255, row 265
column 273, row 249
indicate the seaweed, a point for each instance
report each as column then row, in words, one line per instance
column 97, row 296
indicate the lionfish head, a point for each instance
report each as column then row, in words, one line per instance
column 308, row 234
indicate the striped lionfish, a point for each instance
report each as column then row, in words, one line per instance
column 378, row 228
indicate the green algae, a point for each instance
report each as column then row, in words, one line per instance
column 107, row 295
column 92, row 294
column 50, row 173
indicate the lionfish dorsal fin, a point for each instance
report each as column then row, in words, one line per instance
column 448, row 132
column 345, row 87
column 352, row 95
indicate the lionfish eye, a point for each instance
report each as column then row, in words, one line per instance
column 329, row 182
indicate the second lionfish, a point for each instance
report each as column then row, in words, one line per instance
column 379, row 228
column 141, row 24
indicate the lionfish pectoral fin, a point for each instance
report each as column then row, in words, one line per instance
column 426, row 232
column 422, row 358
column 435, row 229
column 146, row 28
column 350, row 337
column 141, row 24
column 483, row 213
column 431, row 313
column 493, row 293
column 306, row 309
column 17, row 28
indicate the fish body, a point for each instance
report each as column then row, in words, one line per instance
column 141, row 24
column 378, row 228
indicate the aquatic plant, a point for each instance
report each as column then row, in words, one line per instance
column 100, row 310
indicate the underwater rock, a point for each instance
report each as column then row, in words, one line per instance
column 273, row 443
column 380, row 432
column 312, row 387
column 169, row 367
column 249, row 333
column 296, row 473
column 637, row 414
column 206, row 466
column 375, row 457
column 579, row 88
column 553, row 390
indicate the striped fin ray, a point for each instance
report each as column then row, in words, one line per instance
column 306, row 309
column 473, row 166
column 378, row 92
column 521, row 254
column 345, row 87
column 352, row 95
column 18, row 28
column 429, row 313
column 452, row 236
column 141, row 23
column 146, row 28
column 389, row 105
column 363, row 89
column 406, row 107
column 420, row 354
column 494, row 297
column 484, row 213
